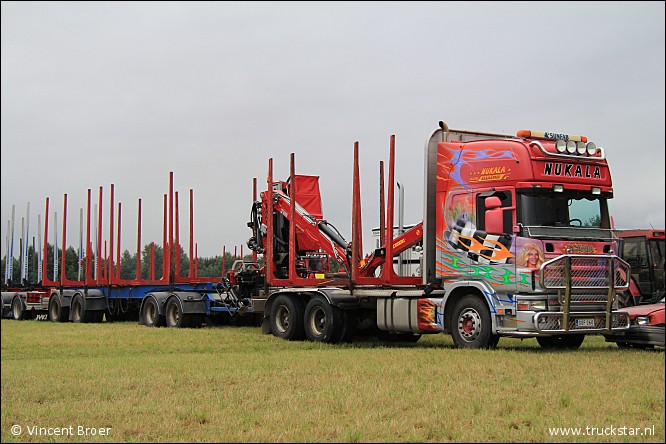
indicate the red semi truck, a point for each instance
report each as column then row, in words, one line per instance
column 516, row 238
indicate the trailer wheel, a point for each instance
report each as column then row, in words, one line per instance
column 471, row 325
column 57, row 313
column 151, row 314
column 17, row 309
column 324, row 322
column 286, row 318
column 174, row 314
column 77, row 309
column 561, row 342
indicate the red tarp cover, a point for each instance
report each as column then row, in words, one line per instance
column 307, row 194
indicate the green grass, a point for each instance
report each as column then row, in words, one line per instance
column 233, row 384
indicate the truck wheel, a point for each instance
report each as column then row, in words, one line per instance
column 561, row 342
column 17, row 309
column 77, row 309
column 151, row 314
column 286, row 318
column 324, row 322
column 57, row 313
column 174, row 314
column 471, row 325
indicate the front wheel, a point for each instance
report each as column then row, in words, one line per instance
column 561, row 342
column 471, row 325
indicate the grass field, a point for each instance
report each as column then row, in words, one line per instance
column 233, row 384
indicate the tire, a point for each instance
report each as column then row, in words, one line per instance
column 57, row 313
column 76, row 309
column 150, row 314
column 174, row 314
column 286, row 318
column 561, row 342
column 324, row 322
column 470, row 323
column 18, row 313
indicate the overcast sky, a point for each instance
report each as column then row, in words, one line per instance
column 95, row 94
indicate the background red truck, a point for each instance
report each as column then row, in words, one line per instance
column 643, row 250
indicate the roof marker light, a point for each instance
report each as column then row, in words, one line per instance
column 558, row 188
column 596, row 190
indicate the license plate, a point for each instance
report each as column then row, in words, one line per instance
column 587, row 322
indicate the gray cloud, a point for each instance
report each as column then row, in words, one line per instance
column 124, row 93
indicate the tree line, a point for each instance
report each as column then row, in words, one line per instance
column 207, row 266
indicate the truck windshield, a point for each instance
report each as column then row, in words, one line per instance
column 548, row 209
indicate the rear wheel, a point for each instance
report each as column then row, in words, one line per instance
column 77, row 309
column 17, row 309
column 286, row 318
column 324, row 322
column 175, row 317
column 174, row 314
column 561, row 342
column 57, row 313
column 150, row 314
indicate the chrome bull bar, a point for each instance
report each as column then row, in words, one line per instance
column 571, row 273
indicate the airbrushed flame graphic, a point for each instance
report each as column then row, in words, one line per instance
column 497, row 255
column 455, row 167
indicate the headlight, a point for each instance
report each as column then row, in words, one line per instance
column 642, row 320
column 538, row 305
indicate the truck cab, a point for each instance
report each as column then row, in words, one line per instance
column 644, row 252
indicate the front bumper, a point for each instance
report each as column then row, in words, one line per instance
column 639, row 335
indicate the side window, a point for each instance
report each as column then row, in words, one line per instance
column 460, row 208
column 634, row 252
column 505, row 199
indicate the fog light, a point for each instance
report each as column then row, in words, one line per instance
column 642, row 320
column 591, row 149
column 571, row 146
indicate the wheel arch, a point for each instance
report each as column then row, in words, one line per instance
column 458, row 290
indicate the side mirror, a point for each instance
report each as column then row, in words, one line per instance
column 494, row 215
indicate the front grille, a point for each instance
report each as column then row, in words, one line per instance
column 586, row 272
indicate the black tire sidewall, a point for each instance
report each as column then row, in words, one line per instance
column 295, row 308
column 181, row 317
column 334, row 329
column 484, row 338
